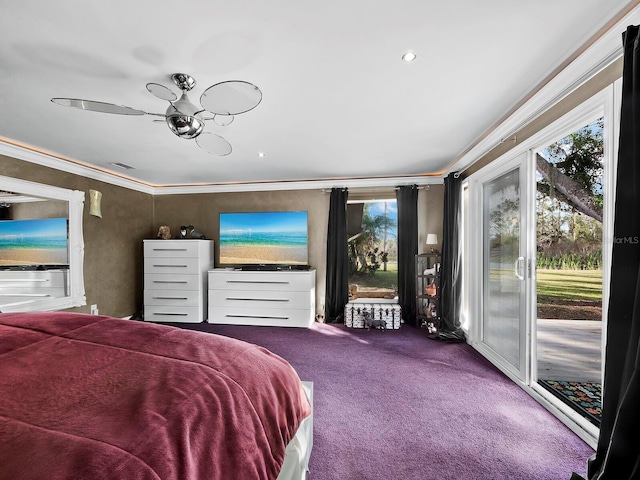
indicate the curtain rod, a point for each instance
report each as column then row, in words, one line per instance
column 374, row 190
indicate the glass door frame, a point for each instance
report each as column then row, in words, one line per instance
column 605, row 104
column 477, row 253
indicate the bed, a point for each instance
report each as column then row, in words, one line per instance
column 94, row 397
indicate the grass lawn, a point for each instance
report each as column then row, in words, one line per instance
column 569, row 285
column 553, row 285
column 380, row 278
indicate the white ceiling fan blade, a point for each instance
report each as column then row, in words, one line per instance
column 94, row 106
column 231, row 98
column 213, row 144
column 161, row 92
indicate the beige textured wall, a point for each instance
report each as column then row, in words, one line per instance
column 48, row 209
column 430, row 215
column 113, row 243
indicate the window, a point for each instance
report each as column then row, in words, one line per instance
column 373, row 248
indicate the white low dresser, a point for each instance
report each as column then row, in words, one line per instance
column 270, row 298
column 175, row 276
column 19, row 286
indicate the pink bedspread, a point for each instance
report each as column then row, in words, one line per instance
column 93, row 397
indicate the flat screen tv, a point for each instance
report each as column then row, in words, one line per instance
column 263, row 238
column 41, row 242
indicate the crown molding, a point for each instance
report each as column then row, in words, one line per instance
column 47, row 160
column 41, row 158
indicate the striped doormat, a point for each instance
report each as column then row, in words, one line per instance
column 584, row 397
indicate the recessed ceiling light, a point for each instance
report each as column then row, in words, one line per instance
column 261, row 154
column 409, row 57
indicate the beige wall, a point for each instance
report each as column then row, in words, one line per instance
column 113, row 243
column 430, row 215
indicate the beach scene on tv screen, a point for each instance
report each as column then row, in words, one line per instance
column 263, row 238
column 33, row 242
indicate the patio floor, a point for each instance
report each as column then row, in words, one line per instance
column 569, row 350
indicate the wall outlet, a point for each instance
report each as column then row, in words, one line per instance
column 94, row 309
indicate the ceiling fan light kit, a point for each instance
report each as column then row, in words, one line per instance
column 224, row 100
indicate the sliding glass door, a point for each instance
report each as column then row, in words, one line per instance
column 567, row 331
column 538, row 237
column 504, row 268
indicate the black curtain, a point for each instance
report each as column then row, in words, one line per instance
column 451, row 270
column 618, row 453
column 337, row 287
column 407, row 202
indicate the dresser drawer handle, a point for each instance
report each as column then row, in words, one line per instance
column 259, row 299
column 25, row 280
column 172, row 314
column 258, row 282
column 180, row 266
column 24, row 295
column 257, row 316
column 170, row 281
column 169, row 249
column 171, row 298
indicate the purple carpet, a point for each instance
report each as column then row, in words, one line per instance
column 397, row 405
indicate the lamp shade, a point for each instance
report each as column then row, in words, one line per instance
column 432, row 239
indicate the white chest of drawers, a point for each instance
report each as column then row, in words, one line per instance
column 175, row 278
column 281, row 298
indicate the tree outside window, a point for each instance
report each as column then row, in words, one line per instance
column 373, row 250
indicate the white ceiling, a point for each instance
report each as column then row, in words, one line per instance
column 338, row 101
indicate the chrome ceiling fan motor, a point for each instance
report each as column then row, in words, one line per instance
column 183, row 117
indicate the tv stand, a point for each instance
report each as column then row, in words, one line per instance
column 268, row 298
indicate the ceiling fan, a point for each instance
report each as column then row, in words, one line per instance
column 224, row 100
